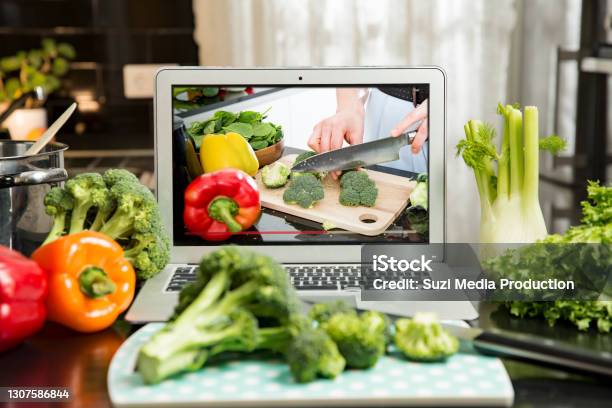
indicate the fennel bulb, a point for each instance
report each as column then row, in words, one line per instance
column 508, row 180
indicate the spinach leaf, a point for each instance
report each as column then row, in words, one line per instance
column 247, row 123
column 263, row 129
column 244, row 129
column 258, row 145
column 251, row 117
column 225, row 117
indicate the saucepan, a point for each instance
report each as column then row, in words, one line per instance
column 24, row 181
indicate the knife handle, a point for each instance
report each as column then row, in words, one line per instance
column 544, row 352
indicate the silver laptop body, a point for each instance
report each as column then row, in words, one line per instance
column 157, row 298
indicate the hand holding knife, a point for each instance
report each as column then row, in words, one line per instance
column 360, row 155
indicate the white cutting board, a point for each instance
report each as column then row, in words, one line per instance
column 393, row 195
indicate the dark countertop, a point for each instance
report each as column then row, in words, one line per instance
column 62, row 358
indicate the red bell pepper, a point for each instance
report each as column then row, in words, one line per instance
column 221, row 203
column 23, row 289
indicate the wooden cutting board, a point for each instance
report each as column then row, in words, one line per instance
column 393, row 194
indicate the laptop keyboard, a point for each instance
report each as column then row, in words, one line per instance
column 308, row 277
column 181, row 277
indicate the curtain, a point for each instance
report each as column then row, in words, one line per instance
column 469, row 39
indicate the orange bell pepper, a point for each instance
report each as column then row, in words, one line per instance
column 89, row 281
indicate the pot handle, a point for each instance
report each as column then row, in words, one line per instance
column 28, row 178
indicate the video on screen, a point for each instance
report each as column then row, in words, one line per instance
column 298, row 165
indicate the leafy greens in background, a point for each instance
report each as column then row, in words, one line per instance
column 583, row 254
column 249, row 124
column 417, row 214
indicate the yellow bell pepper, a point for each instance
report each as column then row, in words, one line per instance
column 228, row 151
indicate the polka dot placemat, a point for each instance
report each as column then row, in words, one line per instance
column 466, row 379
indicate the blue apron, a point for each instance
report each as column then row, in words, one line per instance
column 383, row 112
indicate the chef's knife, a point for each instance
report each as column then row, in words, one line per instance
column 365, row 154
column 534, row 349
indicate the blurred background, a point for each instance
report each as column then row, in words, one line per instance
column 556, row 54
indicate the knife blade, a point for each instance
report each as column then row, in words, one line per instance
column 534, row 349
column 361, row 155
column 520, row 346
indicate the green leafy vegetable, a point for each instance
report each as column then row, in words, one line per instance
column 247, row 123
column 583, row 254
column 417, row 214
column 418, row 219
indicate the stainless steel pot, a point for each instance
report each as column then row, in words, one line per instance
column 24, row 181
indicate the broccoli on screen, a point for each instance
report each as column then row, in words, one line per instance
column 422, row 338
column 303, row 156
column 357, row 189
column 305, row 191
column 275, row 175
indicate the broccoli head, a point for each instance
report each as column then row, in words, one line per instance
column 58, row 204
column 304, row 191
column 89, row 193
column 303, row 156
column 149, row 252
column 322, row 312
column 275, row 175
column 357, row 189
column 311, row 354
column 117, row 205
column 112, row 176
column 135, row 211
column 422, row 338
column 360, row 343
column 236, row 292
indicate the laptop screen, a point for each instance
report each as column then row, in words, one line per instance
column 226, row 126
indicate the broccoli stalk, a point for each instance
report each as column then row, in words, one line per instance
column 275, row 175
column 220, row 311
column 103, row 214
column 88, row 191
column 135, row 212
column 215, row 321
column 58, row 204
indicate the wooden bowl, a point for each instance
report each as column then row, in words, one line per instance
column 270, row 154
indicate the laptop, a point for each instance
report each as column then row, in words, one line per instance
column 323, row 265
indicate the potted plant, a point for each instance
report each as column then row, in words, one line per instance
column 27, row 78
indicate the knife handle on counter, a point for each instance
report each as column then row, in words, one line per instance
column 544, row 352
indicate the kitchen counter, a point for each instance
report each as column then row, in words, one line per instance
column 62, row 358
